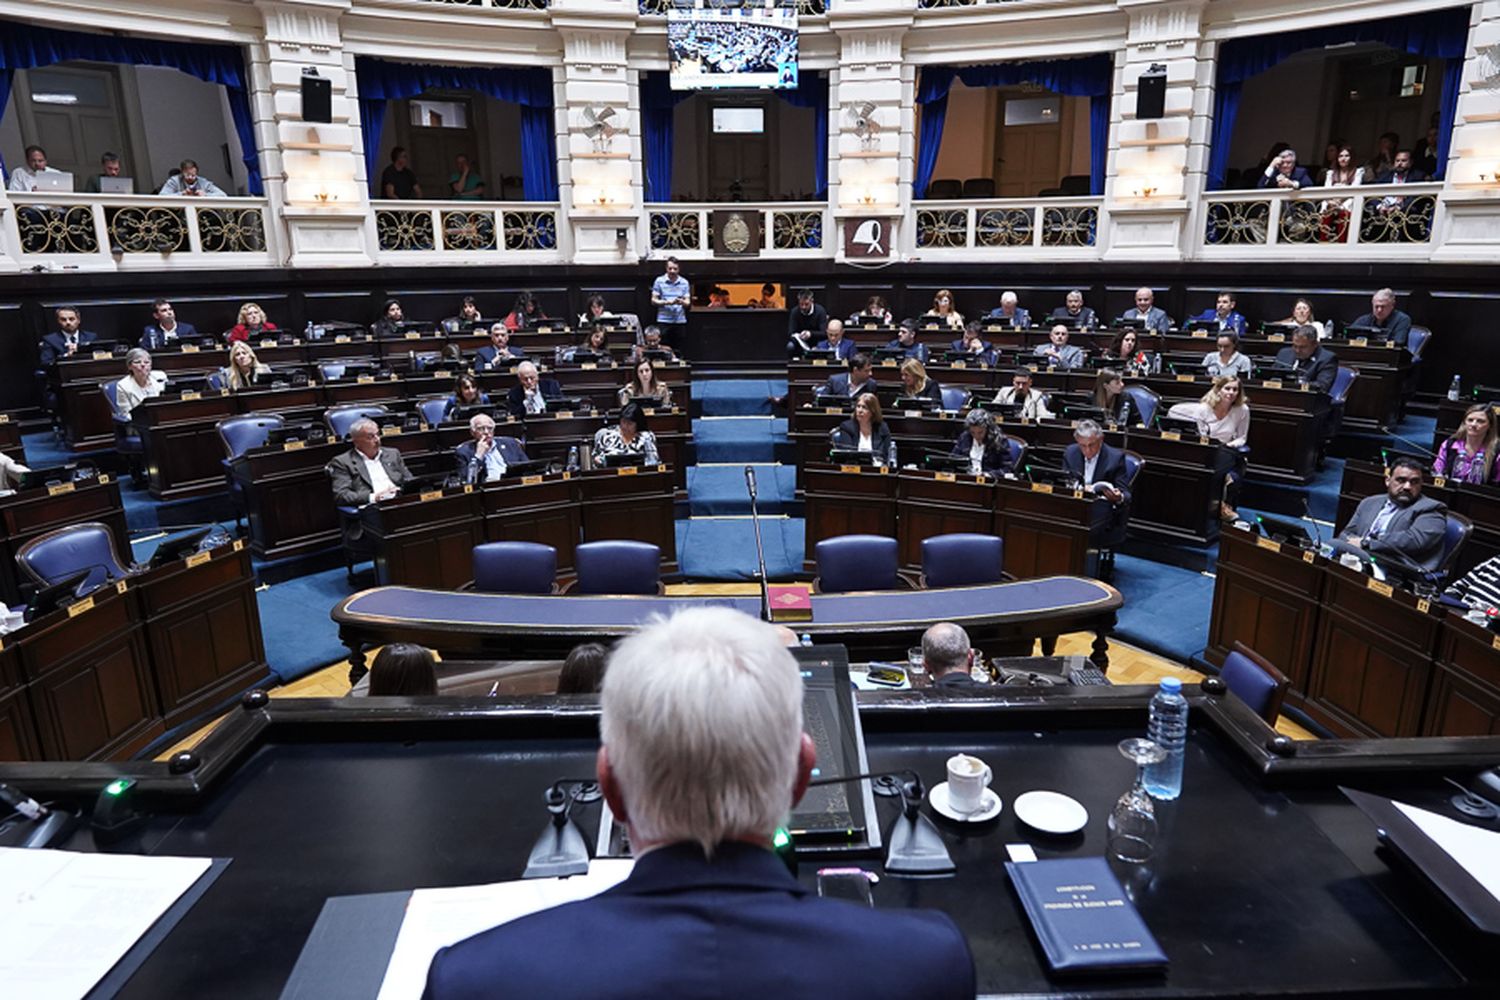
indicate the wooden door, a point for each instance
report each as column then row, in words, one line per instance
column 73, row 111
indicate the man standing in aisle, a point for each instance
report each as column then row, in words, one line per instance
column 673, row 297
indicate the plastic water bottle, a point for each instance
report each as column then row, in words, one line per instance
column 1168, row 730
column 573, row 459
column 806, row 639
column 1454, row 388
column 307, row 333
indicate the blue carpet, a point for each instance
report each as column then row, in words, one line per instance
column 300, row 637
column 734, row 397
column 725, row 549
column 720, row 489
column 744, row 440
column 1166, row 609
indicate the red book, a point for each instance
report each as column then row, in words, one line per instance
column 791, row 602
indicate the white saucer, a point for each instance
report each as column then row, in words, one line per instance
column 1051, row 812
column 989, row 805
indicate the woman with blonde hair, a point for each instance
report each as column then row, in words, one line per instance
column 644, row 387
column 251, row 324
column 1469, row 455
column 916, row 385
column 1222, row 414
column 244, row 370
column 943, row 309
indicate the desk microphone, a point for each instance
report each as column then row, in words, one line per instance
column 750, row 480
column 1307, row 516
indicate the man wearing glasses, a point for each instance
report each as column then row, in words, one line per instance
column 1402, row 531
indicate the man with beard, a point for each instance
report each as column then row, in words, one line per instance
column 1403, row 530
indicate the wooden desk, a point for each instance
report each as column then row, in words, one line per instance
column 1268, row 599
column 1464, row 699
column 427, row 540
column 848, row 500
column 31, row 513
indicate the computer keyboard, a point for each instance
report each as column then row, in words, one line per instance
column 1087, row 675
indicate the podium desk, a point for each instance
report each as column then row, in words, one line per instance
column 940, row 503
column 1046, row 531
column 1465, row 696
column 541, row 509
column 31, row 513
column 426, row 539
column 846, row 500
column 632, row 504
column 1266, row 596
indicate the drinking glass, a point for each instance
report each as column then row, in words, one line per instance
column 914, row 663
column 1132, row 822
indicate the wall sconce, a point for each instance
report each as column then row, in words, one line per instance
column 324, row 197
column 1146, row 192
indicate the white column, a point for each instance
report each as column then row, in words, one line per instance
column 314, row 172
column 1146, row 190
column 1469, row 218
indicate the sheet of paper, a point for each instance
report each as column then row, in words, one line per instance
column 1478, row 851
column 436, row 918
column 67, row 918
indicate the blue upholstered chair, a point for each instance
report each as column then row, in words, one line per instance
column 1017, row 447
column 127, row 441
column 216, row 381
column 515, row 568
column 239, row 435
column 618, row 567
column 856, row 562
column 1251, row 678
column 1416, row 342
column 59, row 554
column 962, row 560
column 1456, row 532
column 331, row 370
column 341, row 418
column 1114, row 536
column 1342, row 381
column 432, row 409
column 955, row 398
column 1144, row 402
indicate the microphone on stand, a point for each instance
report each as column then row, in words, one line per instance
column 1307, row 516
column 760, row 552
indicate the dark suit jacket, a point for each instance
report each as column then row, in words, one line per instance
column 812, row 322
column 352, row 486
column 153, row 339
column 844, row 350
column 484, row 360
column 1414, row 533
column 1320, row 369
column 515, row 400
column 471, row 470
column 996, row 456
column 846, row 435
column 931, row 391
column 55, row 345
column 685, row 928
column 918, row 351
column 1109, row 469
column 838, row 386
column 1299, row 174
column 1085, row 317
column 1413, row 176
column 1397, row 325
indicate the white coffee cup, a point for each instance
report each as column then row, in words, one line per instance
column 968, row 777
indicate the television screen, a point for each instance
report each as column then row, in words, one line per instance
column 711, row 49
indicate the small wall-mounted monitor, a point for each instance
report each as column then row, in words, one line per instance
column 740, row 120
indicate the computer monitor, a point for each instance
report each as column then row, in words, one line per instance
column 56, row 475
column 1051, row 475
column 827, row 353
column 916, row 403
column 931, row 323
column 1067, row 320
column 413, row 326
column 1362, row 330
column 870, row 321
column 530, row 467
column 53, row 180
column 566, row 404
column 173, row 549
column 1284, row 531
column 620, row 460
column 117, row 185
column 185, row 383
column 940, row 462
column 850, row 456
column 1132, row 323
column 1285, row 329
column 1085, row 411
column 1006, row 410
column 463, row 414
column 890, row 354
column 1487, row 394
column 606, row 322
column 309, row 433
column 660, row 354
column 1202, row 324
column 1180, row 425
column 584, row 356
column 53, row 596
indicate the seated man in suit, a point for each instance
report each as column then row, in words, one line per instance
column 947, row 656
column 365, row 474
column 1283, row 172
column 1033, row 404
column 67, row 339
column 485, row 457
column 906, row 342
column 498, row 355
column 973, row 344
column 651, row 341
column 834, row 340
column 531, row 394
column 166, row 331
column 1224, row 315
column 702, row 753
column 1308, row 361
column 1010, row 312
column 804, row 324
column 1157, row 321
column 1075, row 310
column 1402, row 532
column 1058, row 352
column 1388, row 322
column 1401, row 172
column 846, row 385
column 1101, row 470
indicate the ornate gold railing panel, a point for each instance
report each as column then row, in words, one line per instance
column 1003, row 227
column 1237, row 223
column 57, row 229
column 469, row 231
column 942, row 228
column 1070, row 226
column 1397, row 219
column 231, row 230
column 676, row 231
column 797, row 230
column 147, row 229
column 404, row 230
column 530, row 230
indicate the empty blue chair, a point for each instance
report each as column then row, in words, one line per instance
column 1341, row 383
column 955, row 398
column 1456, row 532
column 331, row 370
column 239, row 435
column 1144, row 402
column 341, row 418
column 515, row 568
column 1251, row 678
column 856, row 562
column 618, row 567
column 1416, row 342
column 962, row 560
column 432, row 410
column 1017, row 449
column 59, row 554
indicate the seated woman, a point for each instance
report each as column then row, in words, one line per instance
column 597, row 341
column 628, row 437
column 942, row 308
column 1302, row 315
column 916, row 385
column 595, row 310
column 403, row 670
column 644, row 386
column 1469, row 455
column 1126, row 350
column 466, row 392
column 986, row 447
column 866, row 430
column 140, row 384
column 244, row 370
column 1227, row 360
column 972, row 342
column 1222, row 414
column 583, row 670
column 527, row 313
column 251, row 325
column 1109, row 392
column 874, row 306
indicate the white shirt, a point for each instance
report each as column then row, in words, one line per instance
column 1088, row 468
column 380, row 481
column 865, row 444
column 1033, row 407
column 535, row 401
column 24, row 179
column 976, row 457
column 493, row 462
column 129, row 393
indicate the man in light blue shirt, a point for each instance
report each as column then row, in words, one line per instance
column 189, row 182
column 672, row 296
column 1157, row 321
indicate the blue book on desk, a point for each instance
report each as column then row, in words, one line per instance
column 1083, row 918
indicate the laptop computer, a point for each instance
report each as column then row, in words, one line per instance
column 54, row 181
column 117, row 185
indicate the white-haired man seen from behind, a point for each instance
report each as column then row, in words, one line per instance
column 703, row 754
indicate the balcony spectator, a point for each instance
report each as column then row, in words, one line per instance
column 398, row 181
column 464, row 182
column 109, row 166
column 1283, row 172
column 190, row 183
column 24, row 178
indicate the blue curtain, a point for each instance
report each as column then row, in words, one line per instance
column 1442, row 34
column 1088, row 76
column 812, row 92
column 24, row 46
column 382, row 80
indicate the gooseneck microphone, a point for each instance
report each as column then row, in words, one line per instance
column 750, row 480
column 760, row 551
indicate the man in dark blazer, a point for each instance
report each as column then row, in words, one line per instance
column 702, row 753
column 166, row 331
column 1308, row 361
column 1283, row 172
column 365, row 474
column 947, row 656
column 530, row 394
column 858, row 380
column 1075, row 310
column 486, row 457
column 498, row 355
column 906, row 342
column 804, row 324
column 834, row 340
column 1388, row 322
column 1401, row 172
column 68, row 339
column 1101, row 469
column 1401, row 531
